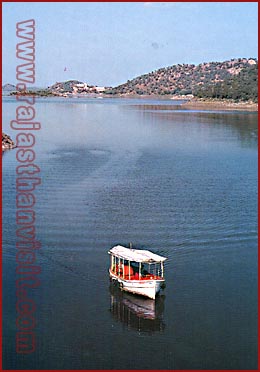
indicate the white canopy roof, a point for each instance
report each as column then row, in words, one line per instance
column 137, row 255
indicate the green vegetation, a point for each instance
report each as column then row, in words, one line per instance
column 239, row 87
column 236, row 79
column 38, row 93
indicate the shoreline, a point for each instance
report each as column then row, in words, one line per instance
column 200, row 103
column 203, row 104
column 187, row 102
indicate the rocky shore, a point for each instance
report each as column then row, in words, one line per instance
column 7, row 142
column 197, row 103
column 219, row 104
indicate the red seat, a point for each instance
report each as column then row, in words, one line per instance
column 128, row 270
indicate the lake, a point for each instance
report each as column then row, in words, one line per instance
column 181, row 183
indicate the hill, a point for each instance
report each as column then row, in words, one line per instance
column 74, row 87
column 8, row 88
column 235, row 79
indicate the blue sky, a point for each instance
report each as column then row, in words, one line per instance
column 109, row 43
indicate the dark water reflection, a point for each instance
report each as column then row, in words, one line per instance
column 183, row 184
column 242, row 124
column 136, row 312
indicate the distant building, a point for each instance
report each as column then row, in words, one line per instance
column 100, row 89
column 82, row 86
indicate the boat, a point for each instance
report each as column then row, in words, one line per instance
column 137, row 271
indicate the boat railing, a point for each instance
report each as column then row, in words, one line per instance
column 123, row 272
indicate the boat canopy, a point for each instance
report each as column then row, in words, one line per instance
column 137, row 255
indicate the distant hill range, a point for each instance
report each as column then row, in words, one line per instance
column 234, row 79
column 64, row 89
column 8, row 88
column 11, row 88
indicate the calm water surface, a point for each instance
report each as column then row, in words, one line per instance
column 180, row 183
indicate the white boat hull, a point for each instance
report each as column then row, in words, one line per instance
column 148, row 288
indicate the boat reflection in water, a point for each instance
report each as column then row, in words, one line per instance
column 136, row 312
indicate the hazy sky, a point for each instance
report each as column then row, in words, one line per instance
column 109, row 43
